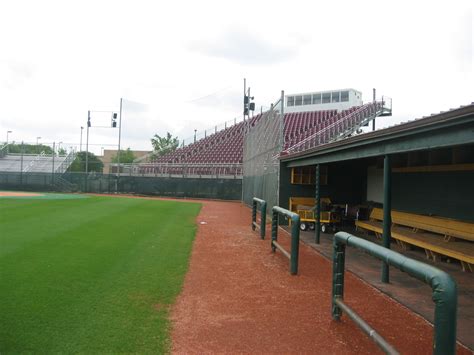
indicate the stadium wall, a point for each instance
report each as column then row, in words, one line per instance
column 445, row 194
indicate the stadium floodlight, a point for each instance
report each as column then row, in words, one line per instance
column 114, row 119
column 248, row 105
column 80, row 144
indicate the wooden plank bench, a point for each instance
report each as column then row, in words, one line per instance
column 436, row 235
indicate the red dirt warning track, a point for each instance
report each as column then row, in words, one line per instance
column 18, row 194
column 239, row 297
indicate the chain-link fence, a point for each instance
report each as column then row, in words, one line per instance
column 263, row 143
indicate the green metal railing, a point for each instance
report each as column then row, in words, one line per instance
column 443, row 286
column 263, row 215
column 295, row 236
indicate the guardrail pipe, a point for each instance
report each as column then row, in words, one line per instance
column 263, row 215
column 295, row 235
column 443, row 286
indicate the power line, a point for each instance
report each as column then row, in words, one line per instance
column 209, row 95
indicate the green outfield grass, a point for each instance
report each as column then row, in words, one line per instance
column 91, row 275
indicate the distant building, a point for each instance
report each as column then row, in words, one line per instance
column 323, row 100
column 109, row 154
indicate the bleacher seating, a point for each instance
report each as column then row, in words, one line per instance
column 226, row 146
column 31, row 163
column 436, row 235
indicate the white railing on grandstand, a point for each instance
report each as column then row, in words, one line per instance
column 34, row 161
column 341, row 127
column 209, row 131
column 3, row 150
column 180, row 169
column 66, row 162
column 199, row 135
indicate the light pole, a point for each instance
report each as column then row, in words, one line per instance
column 37, row 146
column 8, row 132
column 80, row 144
column 195, row 135
column 119, row 137
column 59, row 148
column 87, row 141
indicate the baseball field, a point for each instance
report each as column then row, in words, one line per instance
column 94, row 274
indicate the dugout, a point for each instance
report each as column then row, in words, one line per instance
column 430, row 160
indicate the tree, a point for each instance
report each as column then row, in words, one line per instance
column 164, row 145
column 79, row 163
column 29, row 148
column 126, row 157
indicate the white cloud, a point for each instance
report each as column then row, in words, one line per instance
column 61, row 59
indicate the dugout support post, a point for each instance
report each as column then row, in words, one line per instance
column 263, row 215
column 387, row 213
column 443, row 286
column 295, row 236
column 318, row 205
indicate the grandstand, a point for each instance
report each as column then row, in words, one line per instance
column 221, row 153
column 35, row 163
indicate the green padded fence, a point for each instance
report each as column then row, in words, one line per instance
column 207, row 188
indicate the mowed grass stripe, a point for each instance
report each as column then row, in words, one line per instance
column 91, row 275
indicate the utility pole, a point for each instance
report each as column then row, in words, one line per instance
column 120, row 134
column 245, row 92
column 87, row 141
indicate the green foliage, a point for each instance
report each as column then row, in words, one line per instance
column 79, row 163
column 164, row 145
column 94, row 275
column 126, row 157
column 62, row 152
column 30, row 149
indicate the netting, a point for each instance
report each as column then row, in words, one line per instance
column 262, row 145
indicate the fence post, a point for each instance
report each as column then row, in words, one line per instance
column 263, row 219
column 295, row 244
column 274, row 229
column 263, row 215
column 295, row 236
column 254, row 213
column 338, row 258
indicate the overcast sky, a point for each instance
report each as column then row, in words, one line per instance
column 180, row 64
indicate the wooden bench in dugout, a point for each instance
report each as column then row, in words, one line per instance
column 436, row 235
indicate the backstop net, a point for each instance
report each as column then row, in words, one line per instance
column 263, row 143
